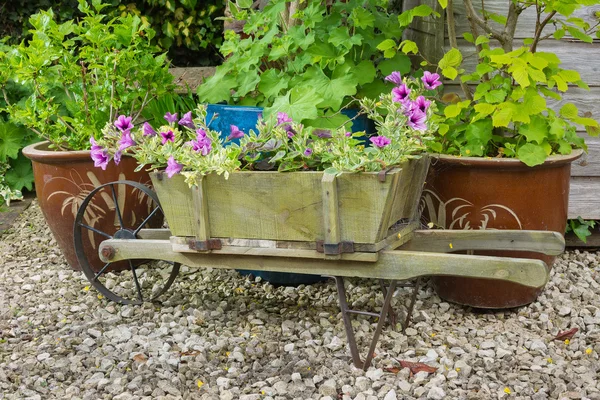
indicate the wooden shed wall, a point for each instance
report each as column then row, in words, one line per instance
column 431, row 33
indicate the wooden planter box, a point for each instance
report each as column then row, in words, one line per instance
column 295, row 206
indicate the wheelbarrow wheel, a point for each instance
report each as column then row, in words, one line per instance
column 129, row 281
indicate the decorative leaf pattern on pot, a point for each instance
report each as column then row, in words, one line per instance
column 459, row 213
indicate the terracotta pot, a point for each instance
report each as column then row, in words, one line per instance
column 62, row 181
column 493, row 193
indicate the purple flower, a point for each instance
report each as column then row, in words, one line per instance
column 168, row 136
column 323, row 133
column 126, row 141
column 202, row 144
column 400, row 93
column 100, row 157
column 290, row 131
column 173, row 167
column 117, row 157
column 417, row 119
column 395, row 78
column 123, row 123
column 421, row 104
column 348, row 134
column 308, row 152
column 186, row 120
column 236, row 133
column 430, row 80
column 148, row 130
column 171, row 118
column 380, row 141
column 283, row 118
column 95, row 146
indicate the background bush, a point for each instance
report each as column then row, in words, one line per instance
column 186, row 28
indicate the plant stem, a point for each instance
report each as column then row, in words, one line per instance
column 39, row 93
column 476, row 19
column 539, row 29
column 85, row 94
column 454, row 43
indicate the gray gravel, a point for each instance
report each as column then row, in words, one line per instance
column 221, row 336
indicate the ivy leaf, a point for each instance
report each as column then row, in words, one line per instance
column 11, row 140
column 20, row 175
column 531, row 154
column 535, row 131
column 272, row 83
column 299, row 103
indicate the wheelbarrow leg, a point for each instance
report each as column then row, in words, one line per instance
column 358, row 363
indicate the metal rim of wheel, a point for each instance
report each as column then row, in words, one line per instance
column 122, row 233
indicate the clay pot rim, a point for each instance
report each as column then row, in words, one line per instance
column 512, row 163
column 40, row 152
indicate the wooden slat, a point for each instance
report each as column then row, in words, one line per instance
column 588, row 164
column 331, row 216
column 156, row 234
column 446, row 241
column 399, row 265
column 583, row 199
column 592, row 241
column 427, row 32
column 526, row 24
column 181, row 247
column 200, row 201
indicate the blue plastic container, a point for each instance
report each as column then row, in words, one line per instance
column 220, row 118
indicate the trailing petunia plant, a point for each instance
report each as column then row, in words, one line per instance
column 187, row 145
column 84, row 74
column 312, row 59
column 508, row 113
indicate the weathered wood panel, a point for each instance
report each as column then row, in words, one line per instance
column 285, row 206
column 526, row 22
column 191, row 77
column 427, row 32
column 589, row 163
column 584, row 200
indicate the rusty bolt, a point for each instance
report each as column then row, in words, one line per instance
column 108, row 252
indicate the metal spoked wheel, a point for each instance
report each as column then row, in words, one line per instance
column 123, row 202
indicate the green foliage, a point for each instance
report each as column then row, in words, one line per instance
column 581, row 228
column 83, row 74
column 6, row 192
column 312, row 64
column 188, row 29
column 508, row 113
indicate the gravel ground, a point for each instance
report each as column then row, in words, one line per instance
column 219, row 335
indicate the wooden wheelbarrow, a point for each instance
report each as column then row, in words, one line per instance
column 351, row 225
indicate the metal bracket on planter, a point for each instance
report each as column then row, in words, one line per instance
column 205, row 245
column 332, row 249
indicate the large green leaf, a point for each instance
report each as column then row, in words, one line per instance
column 400, row 62
column 11, row 140
column 535, row 131
column 479, row 134
column 332, row 91
column 299, row 103
column 531, row 154
column 217, row 88
column 20, row 175
column 272, row 83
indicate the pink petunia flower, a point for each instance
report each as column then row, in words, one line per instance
column 123, row 123
column 400, row 93
column 168, row 136
column 380, row 141
column 148, row 130
column 173, row 167
column 417, row 120
column 431, row 81
column 395, row 78
column 236, row 133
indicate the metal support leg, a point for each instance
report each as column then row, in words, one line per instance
column 409, row 310
column 385, row 309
